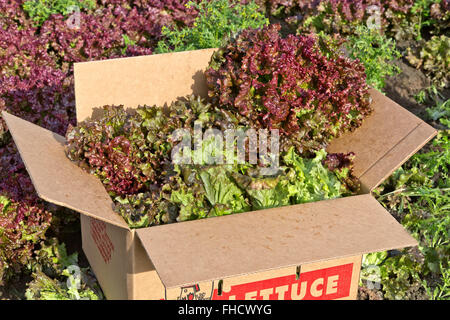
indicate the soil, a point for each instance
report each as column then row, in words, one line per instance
column 409, row 82
column 403, row 87
column 365, row 293
column 15, row 288
column 66, row 228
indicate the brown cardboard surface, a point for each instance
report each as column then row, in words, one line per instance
column 386, row 139
column 143, row 278
column 106, row 247
column 255, row 241
column 155, row 79
column 283, row 283
column 55, row 178
column 396, row 156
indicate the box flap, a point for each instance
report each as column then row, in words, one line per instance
column 386, row 139
column 221, row 247
column 155, row 79
column 55, row 178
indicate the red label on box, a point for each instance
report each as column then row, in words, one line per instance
column 101, row 239
column 323, row 284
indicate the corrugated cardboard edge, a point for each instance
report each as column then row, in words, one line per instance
column 143, row 280
column 384, row 141
column 399, row 154
column 42, row 152
column 274, row 243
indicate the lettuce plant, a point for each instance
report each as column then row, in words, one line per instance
column 57, row 276
column 31, row 84
column 24, row 219
column 131, row 154
column 40, row 10
column 376, row 52
column 440, row 112
column 14, row 180
column 337, row 16
column 433, row 59
column 100, row 35
column 417, row 195
column 22, row 226
column 298, row 84
column 11, row 13
column 216, row 20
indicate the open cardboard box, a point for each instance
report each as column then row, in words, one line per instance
column 306, row 251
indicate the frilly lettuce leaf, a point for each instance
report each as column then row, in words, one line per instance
column 265, row 192
column 310, row 180
column 222, row 193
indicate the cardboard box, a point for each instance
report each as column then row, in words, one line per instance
column 306, row 251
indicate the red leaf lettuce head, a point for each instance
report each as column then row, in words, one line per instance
column 298, row 84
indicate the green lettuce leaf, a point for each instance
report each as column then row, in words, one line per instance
column 265, row 192
column 310, row 179
column 222, row 193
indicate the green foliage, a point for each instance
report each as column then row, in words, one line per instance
column 419, row 195
column 425, row 15
column 127, row 43
column 312, row 181
column 124, row 150
column 441, row 112
column 224, row 189
column 22, row 227
column 376, row 52
column 434, row 162
column 223, row 195
column 397, row 275
column 428, row 94
column 438, row 109
column 216, row 21
column 440, row 291
column 434, row 59
column 40, row 10
column 58, row 276
column 373, row 259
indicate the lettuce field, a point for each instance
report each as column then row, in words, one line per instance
column 302, row 67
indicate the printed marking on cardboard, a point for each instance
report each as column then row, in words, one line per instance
column 329, row 283
column 101, row 239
